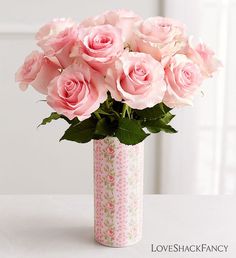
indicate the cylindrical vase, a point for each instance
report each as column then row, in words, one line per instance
column 118, row 192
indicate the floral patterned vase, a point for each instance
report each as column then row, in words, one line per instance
column 118, row 192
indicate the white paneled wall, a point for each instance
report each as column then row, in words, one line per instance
column 201, row 157
column 32, row 160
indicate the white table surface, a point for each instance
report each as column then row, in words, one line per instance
column 56, row 226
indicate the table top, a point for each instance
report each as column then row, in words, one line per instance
column 61, row 226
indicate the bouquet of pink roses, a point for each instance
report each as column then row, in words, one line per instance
column 116, row 74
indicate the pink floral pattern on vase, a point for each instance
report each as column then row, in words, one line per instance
column 118, row 192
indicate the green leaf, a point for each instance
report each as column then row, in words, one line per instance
column 167, row 118
column 168, row 129
column 130, row 132
column 102, row 127
column 81, row 132
column 155, row 126
column 47, row 120
column 56, row 116
column 99, row 136
column 159, row 126
column 156, row 112
column 105, row 127
column 164, row 107
column 71, row 122
column 156, row 119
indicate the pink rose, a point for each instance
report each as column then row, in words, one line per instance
column 37, row 71
column 77, row 92
column 122, row 19
column 138, row 80
column 57, row 38
column 204, row 57
column 53, row 28
column 183, row 78
column 99, row 46
column 160, row 36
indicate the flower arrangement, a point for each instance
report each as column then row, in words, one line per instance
column 116, row 74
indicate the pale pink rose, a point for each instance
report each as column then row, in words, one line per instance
column 53, row 28
column 57, row 39
column 138, row 80
column 122, row 19
column 183, row 79
column 160, row 36
column 37, row 71
column 99, row 46
column 202, row 55
column 77, row 92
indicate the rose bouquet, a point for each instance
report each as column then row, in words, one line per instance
column 116, row 74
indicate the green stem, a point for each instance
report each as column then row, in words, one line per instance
column 129, row 112
column 124, row 109
column 107, row 104
column 97, row 115
column 117, row 114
